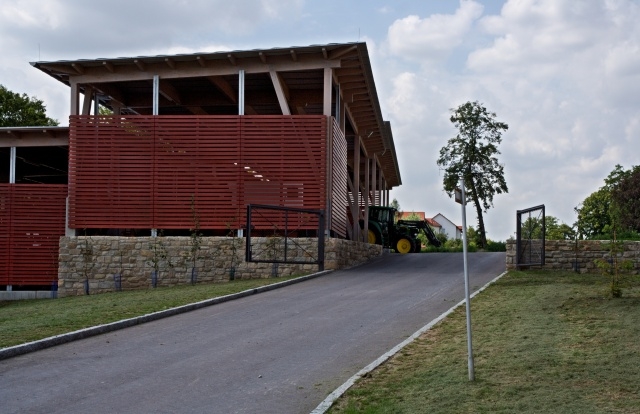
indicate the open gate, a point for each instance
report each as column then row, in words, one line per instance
column 530, row 237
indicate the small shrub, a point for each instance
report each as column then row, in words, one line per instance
column 493, row 246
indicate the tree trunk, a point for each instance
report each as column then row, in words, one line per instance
column 481, row 231
column 483, row 234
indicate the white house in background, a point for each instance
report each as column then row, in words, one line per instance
column 448, row 227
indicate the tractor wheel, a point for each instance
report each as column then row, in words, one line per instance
column 373, row 237
column 404, row 245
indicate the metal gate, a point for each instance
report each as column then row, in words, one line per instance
column 530, row 237
column 283, row 226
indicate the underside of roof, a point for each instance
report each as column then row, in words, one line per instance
column 208, row 84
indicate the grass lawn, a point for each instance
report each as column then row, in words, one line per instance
column 30, row 320
column 543, row 343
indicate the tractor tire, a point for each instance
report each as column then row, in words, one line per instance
column 405, row 245
column 373, row 237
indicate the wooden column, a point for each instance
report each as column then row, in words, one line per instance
column 367, row 186
column 75, row 98
column 356, row 187
column 327, row 88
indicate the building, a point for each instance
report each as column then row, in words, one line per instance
column 452, row 230
column 207, row 133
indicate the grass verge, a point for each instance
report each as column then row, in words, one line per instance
column 543, row 342
column 30, row 320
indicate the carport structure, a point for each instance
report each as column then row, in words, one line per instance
column 213, row 132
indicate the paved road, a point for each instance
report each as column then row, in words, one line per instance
column 281, row 351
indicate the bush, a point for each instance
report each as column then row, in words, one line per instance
column 496, row 246
column 451, row 246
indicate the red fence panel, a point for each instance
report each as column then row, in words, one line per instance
column 284, row 160
column 110, row 165
column 197, row 158
column 144, row 171
column 35, row 215
column 5, row 231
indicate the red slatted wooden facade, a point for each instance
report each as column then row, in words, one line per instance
column 32, row 219
column 143, row 171
column 340, row 179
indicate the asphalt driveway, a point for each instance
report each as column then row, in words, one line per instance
column 281, row 351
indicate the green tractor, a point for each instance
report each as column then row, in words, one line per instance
column 401, row 235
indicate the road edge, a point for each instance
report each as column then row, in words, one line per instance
column 16, row 350
column 338, row 392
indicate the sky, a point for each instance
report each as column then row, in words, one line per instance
column 563, row 74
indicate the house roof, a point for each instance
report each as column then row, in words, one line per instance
column 433, row 223
column 207, row 83
column 444, row 217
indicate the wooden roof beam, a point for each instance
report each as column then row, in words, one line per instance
column 224, row 87
column 78, row 68
column 169, row 92
column 111, row 91
column 170, row 62
column 109, row 66
column 338, row 53
column 282, row 92
column 140, row 65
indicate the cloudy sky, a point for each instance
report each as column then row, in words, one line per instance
column 564, row 74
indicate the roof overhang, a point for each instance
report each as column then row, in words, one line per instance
column 34, row 136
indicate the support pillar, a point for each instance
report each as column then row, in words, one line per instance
column 241, row 92
column 156, row 111
column 356, row 185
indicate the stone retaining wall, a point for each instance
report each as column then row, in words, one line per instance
column 565, row 254
column 108, row 263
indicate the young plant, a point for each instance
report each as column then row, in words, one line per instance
column 615, row 267
column 234, row 250
column 88, row 261
column 159, row 254
column 195, row 240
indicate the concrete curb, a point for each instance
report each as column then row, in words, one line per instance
column 337, row 393
column 22, row 349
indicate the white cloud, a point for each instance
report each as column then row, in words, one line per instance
column 435, row 35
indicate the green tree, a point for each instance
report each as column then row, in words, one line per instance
column 413, row 216
column 556, row 230
column 626, row 197
column 19, row 110
column 594, row 213
column 471, row 155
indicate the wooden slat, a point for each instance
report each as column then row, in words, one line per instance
column 36, row 220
